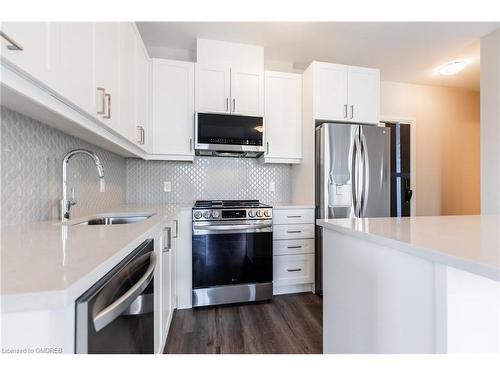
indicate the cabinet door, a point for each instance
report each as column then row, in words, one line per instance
column 166, row 290
column 212, row 89
column 107, row 72
column 330, row 92
column 127, row 123
column 74, row 63
column 364, row 95
column 282, row 129
column 36, row 57
column 173, row 107
column 247, row 93
column 142, row 81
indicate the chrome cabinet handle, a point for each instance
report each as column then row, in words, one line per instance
column 352, row 112
column 345, row 110
column 103, row 101
column 176, row 225
column 138, row 134
column 295, row 247
column 294, row 216
column 234, row 105
column 108, row 96
column 190, row 144
column 111, row 312
column 143, row 135
column 167, row 239
column 294, row 269
column 294, row 231
column 267, row 148
column 13, row 45
column 227, row 105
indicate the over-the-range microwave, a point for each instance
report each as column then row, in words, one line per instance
column 218, row 134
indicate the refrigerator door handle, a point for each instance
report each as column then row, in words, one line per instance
column 355, row 175
column 366, row 175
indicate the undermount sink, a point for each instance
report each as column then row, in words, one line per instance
column 115, row 219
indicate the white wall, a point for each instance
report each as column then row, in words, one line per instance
column 490, row 123
column 447, row 144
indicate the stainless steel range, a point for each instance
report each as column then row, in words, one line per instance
column 232, row 252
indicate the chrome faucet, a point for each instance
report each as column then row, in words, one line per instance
column 66, row 203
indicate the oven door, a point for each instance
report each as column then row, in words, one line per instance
column 232, row 253
column 222, row 132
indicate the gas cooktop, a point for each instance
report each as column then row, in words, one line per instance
column 230, row 204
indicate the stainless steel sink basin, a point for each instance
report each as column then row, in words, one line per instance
column 115, row 219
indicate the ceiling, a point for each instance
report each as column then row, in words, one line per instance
column 404, row 51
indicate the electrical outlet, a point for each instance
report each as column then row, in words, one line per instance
column 167, row 186
column 272, row 187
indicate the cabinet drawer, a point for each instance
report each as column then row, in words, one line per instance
column 294, row 216
column 293, row 231
column 293, row 269
column 287, row 247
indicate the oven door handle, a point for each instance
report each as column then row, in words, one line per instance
column 235, row 227
column 111, row 312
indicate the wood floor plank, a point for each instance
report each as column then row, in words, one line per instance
column 289, row 324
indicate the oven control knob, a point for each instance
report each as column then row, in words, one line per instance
column 259, row 213
column 267, row 213
column 206, row 214
column 197, row 215
column 215, row 214
column 251, row 213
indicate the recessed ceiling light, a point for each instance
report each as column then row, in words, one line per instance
column 452, row 67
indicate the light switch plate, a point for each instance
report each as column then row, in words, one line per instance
column 167, row 186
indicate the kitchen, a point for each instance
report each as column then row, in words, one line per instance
column 166, row 189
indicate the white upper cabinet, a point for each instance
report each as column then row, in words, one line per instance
column 27, row 45
column 107, row 72
column 127, row 126
column 346, row 93
column 213, row 85
column 364, row 94
column 247, row 92
column 283, row 117
column 330, row 92
column 229, row 78
column 142, row 95
column 173, row 109
column 74, row 63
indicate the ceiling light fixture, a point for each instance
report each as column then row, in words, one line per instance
column 452, row 67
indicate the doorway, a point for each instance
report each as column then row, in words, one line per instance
column 401, row 181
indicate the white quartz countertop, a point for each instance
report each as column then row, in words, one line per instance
column 48, row 265
column 469, row 243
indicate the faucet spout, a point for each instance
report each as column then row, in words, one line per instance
column 65, row 204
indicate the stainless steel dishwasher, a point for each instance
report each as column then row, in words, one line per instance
column 116, row 314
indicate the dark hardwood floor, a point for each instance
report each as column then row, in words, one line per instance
column 289, row 324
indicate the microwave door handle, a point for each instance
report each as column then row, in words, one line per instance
column 102, row 318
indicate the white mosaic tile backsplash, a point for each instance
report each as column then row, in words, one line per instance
column 207, row 178
column 31, row 158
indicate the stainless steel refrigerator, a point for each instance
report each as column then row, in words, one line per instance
column 352, row 176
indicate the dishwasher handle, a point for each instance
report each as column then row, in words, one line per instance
column 114, row 310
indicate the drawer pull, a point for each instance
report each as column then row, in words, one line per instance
column 295, row 247
column 294, row 270
column 294, row 216
column 294, row 231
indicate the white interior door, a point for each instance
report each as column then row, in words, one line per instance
column 35, row 40
column 330, row 92
column 283, row 96
column 173, row 107
column 247, row 92
column 212, row 89
column 364, row 95
column 74, row 63
column 107, row 72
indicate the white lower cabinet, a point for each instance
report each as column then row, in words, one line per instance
column 293, row 248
